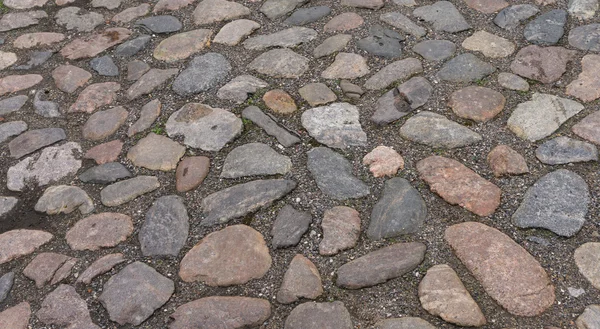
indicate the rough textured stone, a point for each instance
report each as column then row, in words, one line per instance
column 165, row 230
column 400, row 210
column 276, row 8
column 586, row 258
column 239, row 200
column 490, row 45
column 95, row 96
column 503, row 160
column 16, row 317
column 93, row 45
column 562, row 150
column 417, row 91
column 204, row 127
column 511, row 17
column 341, row 229
column 104, row 66
column 17, row 20
column 14, row 83
column 202, row 73
column 403, row 23
column 558, row 202
column 280, row 63
column 332, row 45
column 436, row 130
column 435, row 50
column 301, row 280
column 126, row 190
column 544, row 64
column 34, row 140
column 541, row 116
column 156, row 152
column 45, row 266
column 6, row 283
column 396, row 71
column 308, row 15
column 132, row 47
column 102, row 124
column 222, row 312
column 512, row 82
column 443, row 294
column 382, row 42
column 586, row 37
column 344, row 22
column 68, row 77
column 17, row 243
column 262, row 120
column 148, row 82
column 104, row 153
column 64, row 199
column 170, row 5
column 287, row 38
column 99, row 231
column 583, row 9
column 136, row 69
column 383, row 161
column 100, row 266
column 182, row 45
column 12, row 104
column 240, row 87
column 231, row 256
column 108, row 4
column 160, row 24
column 487, row 6
column 64, row 307
column 332, row 315
column 547, row 28
column 148, row 114
column 214, row 11
column 279, row 101
column 333, row 174
column 24, row 4
column 37, row 39
column 587, row 85
column 289, row 226
column 7, row 204
column 507, row 272
column 105, row 173
column 317, row 94
column 336, row 125
column 444, row 16
column 465, row 68
column 132, row 13
column 404, row 323
column 477, row 103
column 191, row 172
column 346, row 66
column 381, row 265
column 590, row 318
column 588, row 128
column 254, row 159
column 132, row 295
column 45, row 108
column 73, row 18
column 7, row 59
column 10, row 129
column 459, row 185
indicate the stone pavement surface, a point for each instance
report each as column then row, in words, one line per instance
column 299, row 164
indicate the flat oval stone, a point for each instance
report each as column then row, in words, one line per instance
column 562, row 150
column 105, row 152
column 161, row 24
column 182, row 45
column 73, row 18
column 231, row 256
column 170, row 5
column 202, row 73
column 404, row 323
column 214, row 11
column 94, row 96
column 490, row 45
column 165, row 229
column 148, row 114
column 341, row 230
column 223, row 312
column 34, row 140
column 585, row 87
column 12, row 104
column 507, row 272
column 65, row 307
column 308, row 15
column 280, row 63
column 44, row 267
column 544, row 64
column 333, row 174
column 383, row 161
column 503, row 160
column 332, row 45
column 148, row 82
column 255, row 159
column 436, row 130
column 100, row 266
column 240, row 87
column 102, row 124
column 17, row 243
column 15, row 83
column 232, row 33
column 301, row 280
column 344, row 22
column 156, row 152
column 99, row 231
column 547, row 28
column 17, row 20
column 346, row 66
column 396, row 71
column 279, row 101
column 512, row 82
column 68, row 77
column 444, row 16
column 24, row 4
column 105, row 173
column 93, row 45
column 191, row 172
column 64, row 199
column 459, row 185
column 589, row 318
column 511, row 17
column 126, row 190
column 288, row 38
column 132, row 47
column 465, row 68
column 322, row 315
column 132, row 13
column 317, row 94
column 477, row 103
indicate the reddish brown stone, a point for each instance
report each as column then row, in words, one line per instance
column 131, row 13
column 279, row 101
column 221, row 312
column 341, row 229
column 99, row 231
column 68, row 77
column 507, row 272
column 544, row 64
column 587, row 85
column 31, row 40
column 477, row 103
column 102, row 124
column 96, row 96
column 301, row 280
column 487, row 6
column 14, row 83
column 16, row 317
column 589, row 128
column 503, row 160
column 344, row 22
column 106, row 152
column 384, row 161
column 190, row 173
column 44, row 266
column 91, row 46
column 459, row 185
column 17, row 243
column 102, row 265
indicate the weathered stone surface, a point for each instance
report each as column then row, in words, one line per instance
column 202, row 73
column 416, row 90
column 262, row 120
column 383, row 161
column 64, row 307
column 156, row 152
column 231, row 256
column 558, row 202
column 588, row 128
column 132, row 47
column 12, row 104
column 544, row 64
column 547, row 28
column 512, row 82
column 16, row 317
column 102, row 124
column 165, row 229
column 511, row 17
column 95, row 96
column 204, row 127
column 64, row 199
column 279, row 101
column 223, row 312
column 400, row 210
column 51, row 165
column 254, row 159
column 562, row 150
column 280, row 63
column 308, row 15
column 239, row 200
column 100, row 266
column 72, row 18
column 346, row 66
column 590, row 318
column 182, row 45
column 10, row 129
column 277, row 8
column 126, row 190
column 232, row 33
column 34, row 140
column 7, row 59
column 490, row 45
column 108, row 4
column 237, row 90
column 444, row 16
column 99, row 231
column 44, row 267
column 583, row 9
column 148, row 82
column 459, row 185
column 14, row 83
column 436, row 130
column 586, row 258
column 93, row 45
column 541, row 116
column 587, row 85
column 17, row 20
column 435, row 50
column 443, row 294
column 341, row 230
column 150, row 111
column 404, row 323
column 170, row 5
column 402, row 22
column 36, row 58
column 45, row 108
column 396, row 71
column 507, row 272
column 465, row 68
column 477, row 103
column 487, row 6
column 104, row 66
column 301, row 280
column 136, row 69
column 6, row 283
column 503, row 160
column 317, row 94
column 322, row 315
column 24, row 4
column 381, row 265
column 104, row 153
column 336, row 125
column 68, row 77
column 191, row 172
column 214, row 11
column 344, row 22
column 333, row 174
column 367, row 4
column 332, row 45
column 17, row 243
column 7, row 204
column 132, row 295
column 289, row 226
column 287, row 38
column 132, row 13
column 586, row 37
column 382, row 42
column 160, row 24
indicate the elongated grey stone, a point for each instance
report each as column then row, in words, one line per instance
column 333, row 174
column 127, row 190
column 262, row 120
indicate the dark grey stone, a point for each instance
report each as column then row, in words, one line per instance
column 202, row 73
column 36, row 58
column 34, row 140
column 255, row 159
column 465, row 68
column 104, row 66
column 239, row 200
column 382, row 42
column 161, row 24
column 435, row 50
column 390, row 107
column 10, row 129
column 558, row 202
column 546, row 29
column 12, row 104
column 510, row 18
column 166, row 227
column 313, row 315
column 6, row 283
column 45, row 108
column 105, row 173
column 436, row 130
column 262, row 120
column 289, row 226
column 444, row 16
column 305, row 16
column 400, row 210
column 132, row 47
column 417, row 91
column 561, row 150
column 381, row 265
column 333, row 174
column 586, row 37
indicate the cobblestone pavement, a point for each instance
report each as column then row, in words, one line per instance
column 299, row 164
